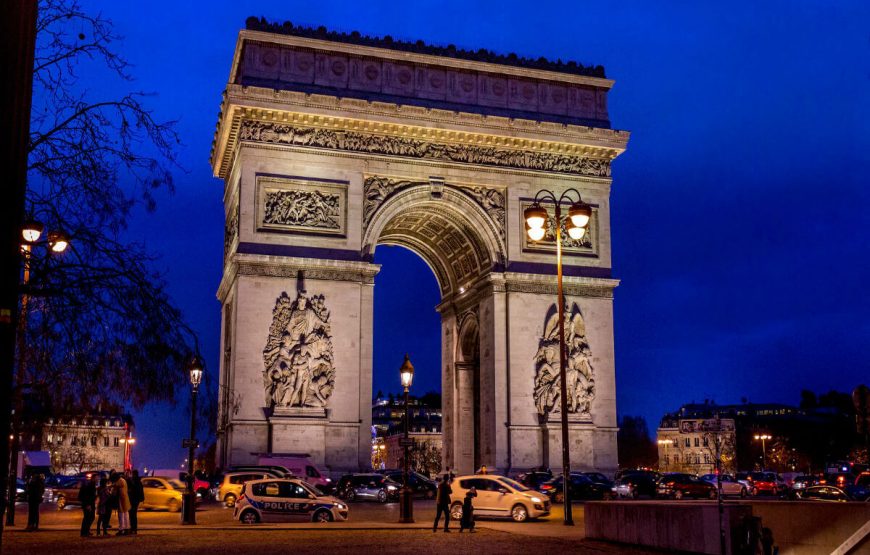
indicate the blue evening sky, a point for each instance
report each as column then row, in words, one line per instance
column 740, row 210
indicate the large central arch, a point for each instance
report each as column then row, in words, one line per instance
column 330, row 145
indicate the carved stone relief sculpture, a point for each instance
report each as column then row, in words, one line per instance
column 292, row 204
column 281, row 133
column 579, row 373
column 298, row 357
column 376, row 190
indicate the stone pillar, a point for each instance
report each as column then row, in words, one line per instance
column 464, row 439
column 366, row 321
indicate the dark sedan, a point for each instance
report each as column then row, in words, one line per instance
column 636, row 484
column 373, row 487
column 679, row 486
column 825, row 493
column 535, row 479
column 420, row 485
column 580, row 487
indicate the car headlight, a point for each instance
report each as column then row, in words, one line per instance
column 341, row 506
column 536, row 500
column 392, row 488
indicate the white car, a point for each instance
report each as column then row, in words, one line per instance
column 498, row 496
column 730, row 485
column 285, row 499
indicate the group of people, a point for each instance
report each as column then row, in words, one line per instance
column 442, row 504
column 113, row 493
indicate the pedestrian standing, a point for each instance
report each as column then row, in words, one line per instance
column 88, row 499
column 467, row 520
column 104, row 506
column 35, row 491
column 137, row 495
column 123, row 496
column 442, row 503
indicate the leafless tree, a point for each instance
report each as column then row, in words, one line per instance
column 101, row 326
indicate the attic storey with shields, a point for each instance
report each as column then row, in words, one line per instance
column 330, row 145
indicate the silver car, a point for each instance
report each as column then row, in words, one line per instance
column 730, row 485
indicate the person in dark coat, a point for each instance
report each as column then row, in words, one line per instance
column 88, row 499
column 467, row 520
column 442, row 504
column 104, row 506
column 35, row 491
column 137, row 495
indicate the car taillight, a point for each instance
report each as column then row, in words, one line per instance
column 546, row 486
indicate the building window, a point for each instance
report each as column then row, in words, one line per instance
column 73, row 441
column 697, row 458
column 688, row 442
column 106, row 441
column 676, row 459
column 706, row 441
column 48, row 438
column 697, row 442
column 667, row 461
column 116, row 442
column 707, row 458
column 93, row 441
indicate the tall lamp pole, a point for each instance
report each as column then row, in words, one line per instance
column 189, row 497
column 56, row 243
column 406, row 506
column 763, row 438
column 536, row 217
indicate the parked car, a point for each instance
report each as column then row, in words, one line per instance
column 825, row 493
column 420, row 485
column 635, row 484
column 367, row 486
column 231, row 487
column 580, row 487
column 768, row 483
column 804, row 481
column 599, row 478
column 535, row 479
column 284, row 499
column 301, row 466
column 66, row 493
column 277, row 470
column 20, row 490
column 164, row 493
column 730, row 486
column 679, row 486
column 498, row 496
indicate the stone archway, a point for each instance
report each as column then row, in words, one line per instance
column 328, row 148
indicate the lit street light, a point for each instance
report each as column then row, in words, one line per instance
column 56, row 243
column 188, row 500
column 128, row 451
column 536, row 217
column 763, row 438
column 406, row 505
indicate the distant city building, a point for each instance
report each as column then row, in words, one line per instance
column 792, row 437
column 388, row 427
column 693, row 444
column 89, row 442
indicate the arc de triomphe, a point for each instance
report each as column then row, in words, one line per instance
column 330, row 145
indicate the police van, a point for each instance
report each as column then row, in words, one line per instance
column 286, row 499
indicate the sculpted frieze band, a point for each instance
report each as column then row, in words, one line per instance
column 376, row 190
column 280, row 133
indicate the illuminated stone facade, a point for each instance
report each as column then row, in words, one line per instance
column 330, row 147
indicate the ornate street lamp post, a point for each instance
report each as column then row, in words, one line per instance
column 189, row 497
column 56, row 243
column 536, row 217
column 763, row 438
column 406, row 506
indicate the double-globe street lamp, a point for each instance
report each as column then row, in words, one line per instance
column 406, row 504
column 763, row 438
column 537, row 219
column 188, row 499
column 56, row 242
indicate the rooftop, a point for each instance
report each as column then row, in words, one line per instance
column 419, row 47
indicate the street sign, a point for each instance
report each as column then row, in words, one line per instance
column 187, row 443
column 406, row 442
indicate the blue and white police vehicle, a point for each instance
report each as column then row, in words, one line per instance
column 286, row 499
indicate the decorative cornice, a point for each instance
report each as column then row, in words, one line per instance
column 572, row 286
column 358, row 273
column 368, row 143
column 495, row 131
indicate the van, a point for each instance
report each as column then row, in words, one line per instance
column 301, row 466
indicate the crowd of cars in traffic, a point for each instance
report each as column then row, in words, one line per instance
column 265, row 493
